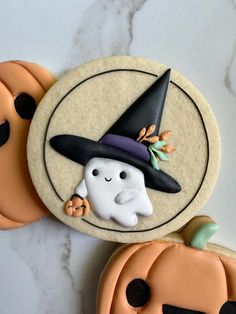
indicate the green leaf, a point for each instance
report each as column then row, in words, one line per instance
column 162, row 156
column 157, row 145
column 154, row 160
column 155, row 151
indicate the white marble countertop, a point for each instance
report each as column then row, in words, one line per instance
column 47, row 268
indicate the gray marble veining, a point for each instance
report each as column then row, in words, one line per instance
column 106, row 30
column 229, row 80
column 45, row 247
column 231, row 68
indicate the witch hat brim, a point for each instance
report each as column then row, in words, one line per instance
column 81, row 150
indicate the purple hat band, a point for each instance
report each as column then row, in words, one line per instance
column 128, row 145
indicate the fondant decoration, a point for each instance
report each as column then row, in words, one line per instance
column 170, row 309
column 228, row 308
column 198, row 231
column 115, row 200
column 115, row 190
column 77, row 206
column 138, row 293
column 159, row 147
column 92, row 112
column 4, row 132
column 22, row 85
column 146, row 110
column 145, row 135
column 163, row 277
column 25, row 106
column 203, row 234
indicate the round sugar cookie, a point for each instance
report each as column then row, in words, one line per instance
column 22, row 85
column 167, row 277
column 124, row 149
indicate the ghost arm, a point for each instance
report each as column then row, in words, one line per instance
column 126, row 196
column 81, row 190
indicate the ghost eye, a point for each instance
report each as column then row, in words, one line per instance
column 137, row 293
column 95, row 172
column 123, row 175
column 25, row 106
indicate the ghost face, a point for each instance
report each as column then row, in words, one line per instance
column 116, row 190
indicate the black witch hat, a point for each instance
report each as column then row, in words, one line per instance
column 119, row 142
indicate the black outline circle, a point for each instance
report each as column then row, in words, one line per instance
column 106, row 72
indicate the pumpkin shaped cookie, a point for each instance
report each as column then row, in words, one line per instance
column 131, row 138
column 22, row 85
column 167, row 277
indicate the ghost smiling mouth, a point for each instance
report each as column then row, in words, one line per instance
column 108, row 180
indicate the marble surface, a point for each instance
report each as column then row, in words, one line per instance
column 47, row 267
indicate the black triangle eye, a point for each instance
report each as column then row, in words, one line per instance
column 25, row 106
column 137, row 293
column 4, row 132
column 228, row 308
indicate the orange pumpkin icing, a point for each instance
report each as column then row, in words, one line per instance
column 19, row 202
column 176, row 275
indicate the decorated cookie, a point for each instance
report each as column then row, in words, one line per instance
column 124, row 149
column 22, row 85
column 167, row 277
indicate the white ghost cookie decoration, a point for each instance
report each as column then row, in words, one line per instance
column 115, row 190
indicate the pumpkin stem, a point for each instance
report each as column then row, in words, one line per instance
column 198, row 232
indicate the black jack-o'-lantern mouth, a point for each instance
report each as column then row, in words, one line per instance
column 227, row 308
column 170, row 309
column 4, row 132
